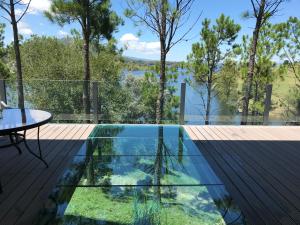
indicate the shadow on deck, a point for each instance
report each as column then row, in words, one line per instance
column 26, row 182
column 262, row 173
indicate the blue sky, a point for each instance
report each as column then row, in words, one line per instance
column 146, row 45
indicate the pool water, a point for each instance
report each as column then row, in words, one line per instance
column 141, row 175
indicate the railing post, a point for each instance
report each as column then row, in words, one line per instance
column 95, row 101
column 267, row 109
column 182, row 103
column 2, row 91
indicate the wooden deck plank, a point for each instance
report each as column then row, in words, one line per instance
column 33, row 209
column 279, row 198
column 12, row 153
column 260, row 167
column 36, row 169
column 19, row 163
column 275, row 148
column 207, row 150
column 241, row 178
column 267, row 158
column 264, row 164
column 57, row 146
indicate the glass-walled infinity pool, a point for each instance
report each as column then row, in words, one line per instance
column 140, row 175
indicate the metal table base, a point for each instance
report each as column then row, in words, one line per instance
column 16, row 139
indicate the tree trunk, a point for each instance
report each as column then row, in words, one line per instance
column 20, row 90
column 86, row 82
column 158, row 163
column 162, row 81
column 208, row 101
column 163, row 54
column 251, row 63
column 256, row 99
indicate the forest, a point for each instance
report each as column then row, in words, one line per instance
column 57, row 74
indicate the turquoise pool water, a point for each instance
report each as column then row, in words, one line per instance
column 141, row 175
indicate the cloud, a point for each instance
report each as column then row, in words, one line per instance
column 62, row 33
column 128, row 37
column 131, row 42
column 18, row 12
column 37, row 6
column 24, row 28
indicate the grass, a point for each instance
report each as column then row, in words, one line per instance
column 280, row 93
column 95, row 204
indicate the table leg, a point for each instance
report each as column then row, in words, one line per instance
column 15, row 142
column 39, row 156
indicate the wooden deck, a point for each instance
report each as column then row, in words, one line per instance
column 260, row 167
column 26, row 181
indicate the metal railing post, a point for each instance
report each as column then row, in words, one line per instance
column 182, row 103
column 268, row 102
column 95, row 101
column 2, row 91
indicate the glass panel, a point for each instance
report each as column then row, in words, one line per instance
column 141, row 175
column 131, row 131
column 140, row 170
column 138, row 146
column 198, row 205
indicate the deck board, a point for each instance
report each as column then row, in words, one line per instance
column 28, row 181
column 260, row 167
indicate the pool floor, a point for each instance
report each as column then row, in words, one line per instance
column 141, row 175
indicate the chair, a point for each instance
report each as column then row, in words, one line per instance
column 3, row 105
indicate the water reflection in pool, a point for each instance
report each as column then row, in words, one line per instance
column 141, row 174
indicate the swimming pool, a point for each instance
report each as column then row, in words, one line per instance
column 141, row 175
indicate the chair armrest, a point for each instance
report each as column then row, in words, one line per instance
column 3, row 105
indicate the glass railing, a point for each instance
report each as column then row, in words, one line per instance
column 126, row 102
column 109, row 102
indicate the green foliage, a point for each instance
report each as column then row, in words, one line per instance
column 145, row 212
column 165, row 18
column 265, row 70
column 142, row 93
column 207, row 55
column 50, row 58
column 288, row 34
column 95, row 17
column 227, row 86
column 292, row 105
column 4, row 71
column 52, row 70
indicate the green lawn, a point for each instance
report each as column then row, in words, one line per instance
column 281, row 92
column 117, row 205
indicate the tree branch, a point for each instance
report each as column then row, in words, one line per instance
column 28, row 4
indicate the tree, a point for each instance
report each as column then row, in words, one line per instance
column 227, row 87
column 142, row 94
column 52, row 68
column 165, row 18
column 265, row 69
column 207, row 55
column 288, row 34
column 9, row 6
column 262, row 11
column 4, row 72
column 96, row 20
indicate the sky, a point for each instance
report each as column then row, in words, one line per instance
column 139, row 41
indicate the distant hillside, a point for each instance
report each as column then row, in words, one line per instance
column 146, row 62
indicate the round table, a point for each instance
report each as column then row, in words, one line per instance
column 15, row 121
